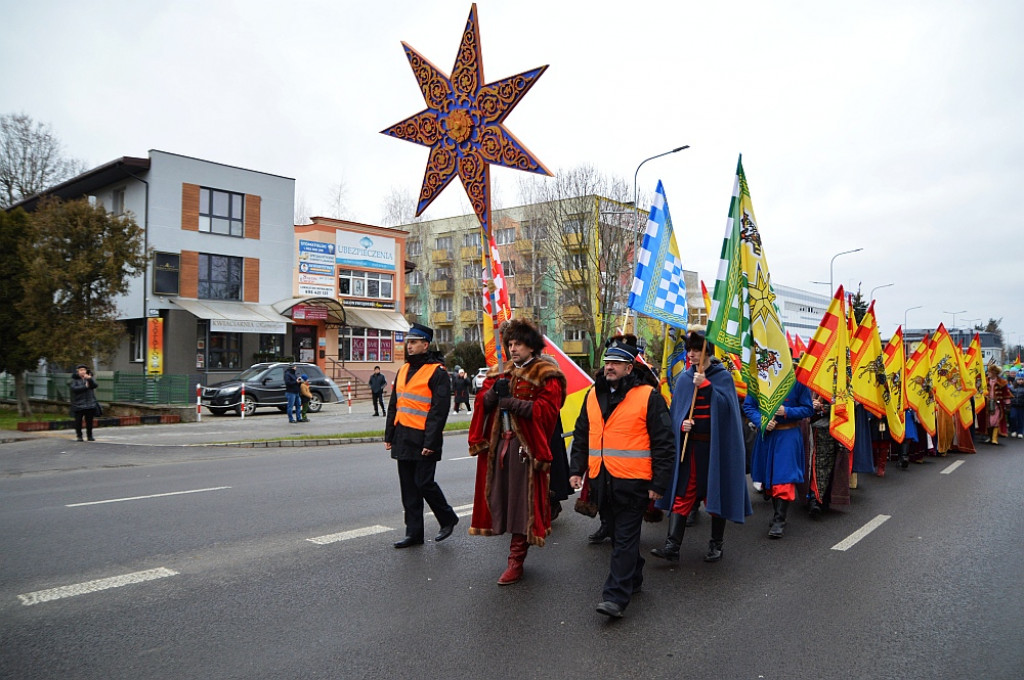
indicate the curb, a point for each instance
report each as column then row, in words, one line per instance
column 295, row 443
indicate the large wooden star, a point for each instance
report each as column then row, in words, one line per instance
column 463, row 124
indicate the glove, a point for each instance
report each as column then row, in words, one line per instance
column 501, row 388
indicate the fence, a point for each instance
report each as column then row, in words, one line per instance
column 111, row 386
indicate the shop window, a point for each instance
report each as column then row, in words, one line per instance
column 221, row 212
column 365, row 284
column 225, row 350
column 137, row 342
column 165, row 273
column 364, row 344
column 220, row 277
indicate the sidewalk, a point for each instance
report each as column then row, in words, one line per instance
column 265, row 424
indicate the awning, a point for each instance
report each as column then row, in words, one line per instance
column 335, row 312
column 235, row 317
column 382, row 319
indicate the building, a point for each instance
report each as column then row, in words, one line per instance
column 801, row 311
column 221, row 239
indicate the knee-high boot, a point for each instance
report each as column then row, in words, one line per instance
column 717, row 539
column 516, row 557
column 779, row 520
column 676, row 529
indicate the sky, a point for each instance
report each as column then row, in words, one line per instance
column 889, row 125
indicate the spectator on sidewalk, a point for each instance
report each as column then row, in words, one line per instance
column 83, row 400
column 377, row 384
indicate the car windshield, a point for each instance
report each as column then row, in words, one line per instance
column 250, row 373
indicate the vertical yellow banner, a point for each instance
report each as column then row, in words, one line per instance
column 155, row 346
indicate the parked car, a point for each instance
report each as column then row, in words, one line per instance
column 478, row 379
column 264, row 386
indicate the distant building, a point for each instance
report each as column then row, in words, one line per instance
column 801, row 310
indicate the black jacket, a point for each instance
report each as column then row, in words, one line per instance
column 377, row 383
column 291, row 381
column 659, row 427
column 82, row 396
column 407, row 443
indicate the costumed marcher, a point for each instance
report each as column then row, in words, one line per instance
column 460, row 388
column 377, row 384
column 623, row 443
column 1017, row 408
column 710, row 458
column 998, row 401
column 84, row 406
column 414, row 434
column 778, row 463
column 510, row 435
column 293, row 397
column 828, row 464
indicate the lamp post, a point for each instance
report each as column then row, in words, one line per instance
column 636, row 199
column 884, row 285
column 905, row 316
column 831, row 278
column 962, row 311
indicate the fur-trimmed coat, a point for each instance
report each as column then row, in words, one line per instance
column 537, row 393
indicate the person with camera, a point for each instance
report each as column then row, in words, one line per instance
column 84, row 406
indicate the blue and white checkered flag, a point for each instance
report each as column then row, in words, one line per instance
column 658, row 288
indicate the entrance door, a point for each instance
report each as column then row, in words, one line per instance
column 304, row 343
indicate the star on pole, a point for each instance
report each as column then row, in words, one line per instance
column 463, row 124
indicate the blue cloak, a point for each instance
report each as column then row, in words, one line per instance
column 727, row 496
column 779, row 454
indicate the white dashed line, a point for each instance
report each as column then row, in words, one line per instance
column 139, row 498
column 857, row 535
column 346, row 535
column 954, row 466
column 94, row 586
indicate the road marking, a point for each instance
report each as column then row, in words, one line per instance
column 954, row 466
column 139, row 498
column 857, row 535
column 94, row 586
column 345, row 535
column 463, row 458
column 463, row 510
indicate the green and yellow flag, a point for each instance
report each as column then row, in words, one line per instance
column 744, row 319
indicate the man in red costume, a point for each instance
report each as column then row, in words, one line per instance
column 517, row 410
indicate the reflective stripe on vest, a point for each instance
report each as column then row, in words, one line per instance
column 622, row 444
column 413, row 397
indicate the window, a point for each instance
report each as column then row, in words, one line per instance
column 117, row 201
column 575, row 261
column 415, row 278
column 271, row 346
column 414, row 247
column 535, row 231
column 364, row 344
column 512, row 300
column 414, row 307
column 540, row 265
column 220, row 212
column 470, row 271
column 137, row 343
column 443, row 304
column 165, row 273
column 225, row 350
column 471, row 240
column 503, row 237
column 509, row 267
column 472, row 302
column 575, row 334
column 542, row 299
column 473, row 334
column 573, row 225
column 443, row 243
column 442, row 274
column 220, row 278
column 443, row 335
column 365, row 284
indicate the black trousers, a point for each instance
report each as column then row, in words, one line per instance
column 417, row 481
column 462, row 399
column 378, row 398
column 627, row 566
column 87, row 415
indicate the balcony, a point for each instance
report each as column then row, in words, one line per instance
column 471, row 286
column 470, row 316
column 471, row 253
column 574, row 347
column 442, row 287
column 442, row 318
column 525, row 280
column 573, row 240
column 573, row 277
column 524, row 246
column 573, row 312
column 442, row 256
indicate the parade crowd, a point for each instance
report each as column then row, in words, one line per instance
column 634, row 458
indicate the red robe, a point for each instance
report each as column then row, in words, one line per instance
column 541, row 383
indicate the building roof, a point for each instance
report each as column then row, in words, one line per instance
column 89, row 181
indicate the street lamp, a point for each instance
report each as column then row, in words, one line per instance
column 831, row 278
column 636, row 199
column 884, row 285
column 962, row 311
column 905, row 316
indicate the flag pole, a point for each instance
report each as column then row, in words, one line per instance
column 485, row 241
column 693, row 400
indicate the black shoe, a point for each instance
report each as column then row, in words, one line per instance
column 446, row 531
column 80, row 439
column 610, row 609
column 676, row 529
column 408, row 541
column 714, row 553
column 556, row 510
column 814, row 508
column 376, row 415
column 666, row 552
column 600, row 535
column 92, row 439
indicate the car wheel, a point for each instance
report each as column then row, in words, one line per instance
column 218, row 411
column 249, row 404
column 315, row 403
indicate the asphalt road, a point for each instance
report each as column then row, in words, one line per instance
column 218, row 577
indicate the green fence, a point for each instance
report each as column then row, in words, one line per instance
column 157, row 389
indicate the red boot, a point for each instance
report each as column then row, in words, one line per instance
column 516, row 556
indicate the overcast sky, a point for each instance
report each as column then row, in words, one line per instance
column 893, row 126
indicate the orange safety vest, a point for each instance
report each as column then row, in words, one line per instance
column 413, row 397
column 622, row 444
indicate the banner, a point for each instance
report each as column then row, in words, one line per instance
column 154, row 346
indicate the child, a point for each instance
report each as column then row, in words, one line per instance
column 305, row 395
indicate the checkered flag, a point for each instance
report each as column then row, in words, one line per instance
column 658, row 288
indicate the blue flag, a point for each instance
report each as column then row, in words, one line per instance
column 659, row 289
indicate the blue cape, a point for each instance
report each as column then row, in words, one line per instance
column 779, row 454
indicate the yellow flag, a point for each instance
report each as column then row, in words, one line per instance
column 951, row 392
column 976, row 371
column 896, row 378
column 870, row 386
column 920, row 395
column 825, row 369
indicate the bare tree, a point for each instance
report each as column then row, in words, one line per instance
column 303, row 212
column 399, row 208
column 337, row 200
column 31, row 159
column 581, row 227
